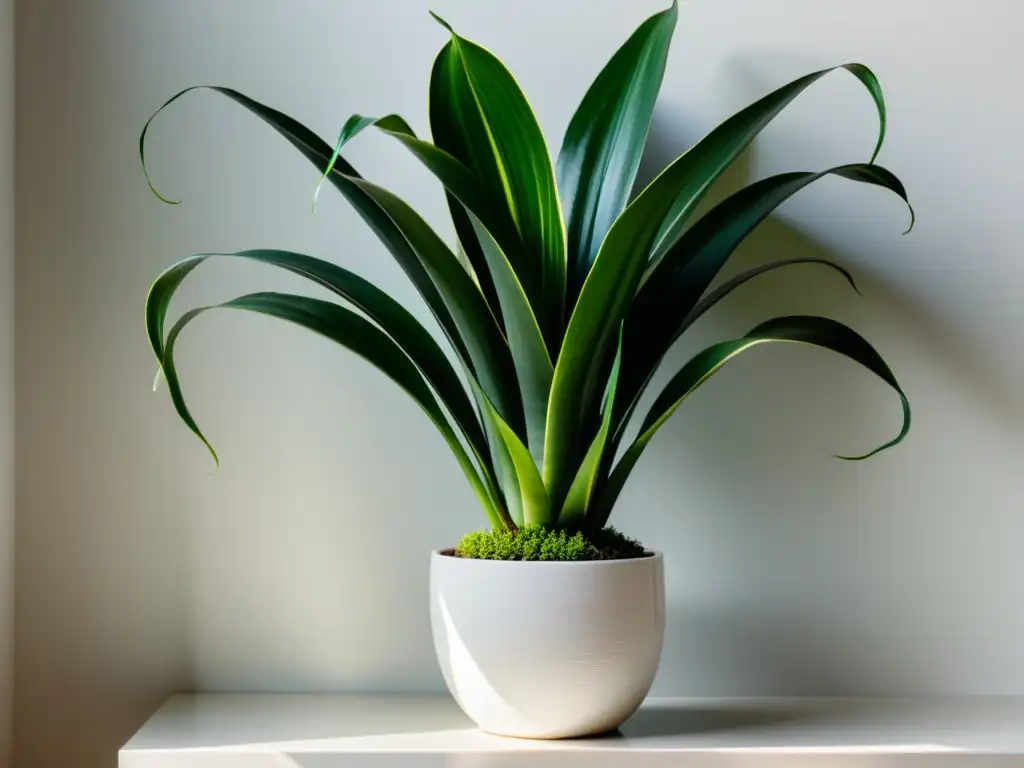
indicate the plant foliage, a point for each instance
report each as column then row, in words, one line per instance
column 562, row 295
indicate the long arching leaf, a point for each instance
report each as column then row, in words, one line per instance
column 810, row 330
column 358, row 335
column 487, row 348
column 318, row 152
column 533, row 365
column 391, row 316
column 582, row 491
column 536, row 507
column 618, row 268
column 448, row 104
column 501, row 459
column 713, row 297
column 601, row 151
column 449, row 292
column 708, row 159
column 622, row 414
column 479, row 114
column 471, row 253
column 661, row 311
column 458, row 180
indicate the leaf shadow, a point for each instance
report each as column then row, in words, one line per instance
column 745, row 649
column 777, row 239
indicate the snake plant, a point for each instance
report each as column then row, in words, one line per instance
column 563, row 292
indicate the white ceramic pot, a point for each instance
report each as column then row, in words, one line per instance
column 548, row 650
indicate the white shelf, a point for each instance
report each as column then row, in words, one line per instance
column 309, row 731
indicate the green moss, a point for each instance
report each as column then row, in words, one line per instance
column 540, row 543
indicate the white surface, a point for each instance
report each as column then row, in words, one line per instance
column 257, row 731
column 548, row 650
column 140, row 570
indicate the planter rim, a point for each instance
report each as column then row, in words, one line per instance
column 651, row 555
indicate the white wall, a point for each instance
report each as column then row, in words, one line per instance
column 301, row 563
column 6, row 378
column 100, row 615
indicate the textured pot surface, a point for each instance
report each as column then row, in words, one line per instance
column 548, row 650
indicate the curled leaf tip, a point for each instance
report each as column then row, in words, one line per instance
column 158, row 196
column 878, row 144
column 854, row 458
column 869, row 454
column 913, row 218
column 352, row 126
column 213, row 453
column 442, row 22
column 316, row 194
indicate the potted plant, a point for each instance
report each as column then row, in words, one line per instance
column 558, row 303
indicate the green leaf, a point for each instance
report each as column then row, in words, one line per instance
column 487, row 348
column 460, row 185
column 456, row 177
column 391, row 316
column 479, row 114
column 353, row 126
column 662, row 309
column 623, row 413
column 814, row 331
column 602, row 147
column 581, row 492
column 450, row 293
column 450, row 125
column 318, row 152
column 471, row 253
column 533, row 366
column 501, row 460
column 691, row 175
column 580, row 367
column 617, row 270
column 730, row 285
column 534, row 497
column 358, row 335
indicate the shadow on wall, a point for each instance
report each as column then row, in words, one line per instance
column 760, row 643
column 775, row 239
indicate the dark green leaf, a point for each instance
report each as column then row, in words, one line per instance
column 536, row 508
column 648, row 224
column 479, row 114
column 692, row 174
column 449, row 292
column 814, row 331
column 663, row 307
column 488, row 350
column 501, row 459
column 730, row 285
column 318, row 152
column 358, row 335
column 472, row 252
column 393, row 319
column 581, row 492
column 532, row 364
column 602, row 147
column 463, row 191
